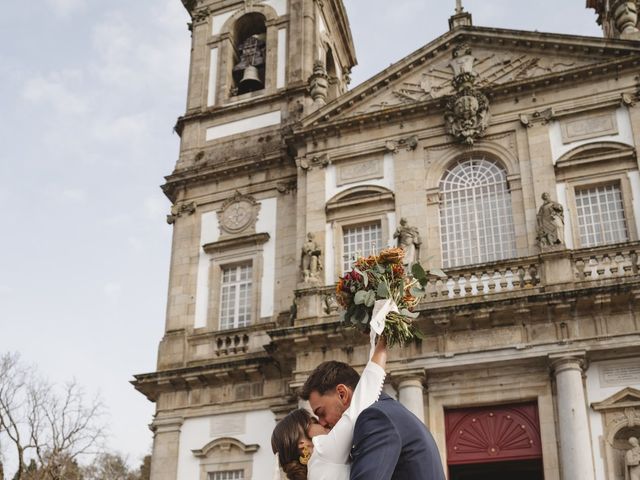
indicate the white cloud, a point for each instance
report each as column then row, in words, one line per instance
column 6, row 290
column 136, row 243
column 113, row 291
column 156, row 207
column 59, row 90
column 64, row 8
column 74, row 194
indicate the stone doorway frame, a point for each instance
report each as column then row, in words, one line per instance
column 621, row 411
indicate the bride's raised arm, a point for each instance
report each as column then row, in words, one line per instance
column 336, row 445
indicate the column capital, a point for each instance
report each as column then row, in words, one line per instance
column 409, row 377
column 560, row 362
column 166, row 424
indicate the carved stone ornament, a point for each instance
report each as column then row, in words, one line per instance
column 287, row 187
column 180, row 209
column 319, row 83
column 201, row 15
column 467, row 110
column 238, row 214
column 313, row 161
column 625, row 17
column 410, row 143
column 542, row 117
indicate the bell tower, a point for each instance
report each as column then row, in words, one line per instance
column 257, row 67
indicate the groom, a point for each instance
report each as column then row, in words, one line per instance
column 389, row 442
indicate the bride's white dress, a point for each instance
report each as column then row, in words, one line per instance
column 330, row 458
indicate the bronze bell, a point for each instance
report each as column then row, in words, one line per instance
column 251, row 79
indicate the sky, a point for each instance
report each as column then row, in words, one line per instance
column 89, row 93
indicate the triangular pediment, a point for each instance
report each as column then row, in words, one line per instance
column 627, row 398
column 502, row 58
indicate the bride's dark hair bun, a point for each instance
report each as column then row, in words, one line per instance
column 295, row 471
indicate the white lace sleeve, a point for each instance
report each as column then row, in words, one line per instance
column 336, row 445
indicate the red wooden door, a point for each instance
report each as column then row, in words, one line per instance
column 493, row 434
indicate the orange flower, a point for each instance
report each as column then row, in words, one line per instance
column 392, row 255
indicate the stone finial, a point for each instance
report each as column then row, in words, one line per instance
column 625, row 18
column 460, row 18
column 319, row 83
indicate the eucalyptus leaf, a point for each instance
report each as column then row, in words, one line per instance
column 380, row 268
column 370, row 299
column 365, row 320
column 418, row 272
column 383, row 291
column 360, row 297
column 417, row 291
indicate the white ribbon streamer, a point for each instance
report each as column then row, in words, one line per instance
column 379, row 318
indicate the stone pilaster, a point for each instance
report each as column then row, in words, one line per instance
column 576, row 459
column 410, row 387
column 166, row 442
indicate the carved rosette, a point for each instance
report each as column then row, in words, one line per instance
column 238, row 214
column 467, row 110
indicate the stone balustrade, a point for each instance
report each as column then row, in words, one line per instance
column 601, row 263
column 231, row 344
column 489, row 279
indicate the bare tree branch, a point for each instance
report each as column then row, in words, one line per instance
column 52, row 424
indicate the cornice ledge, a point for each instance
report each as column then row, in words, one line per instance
column 236, row 242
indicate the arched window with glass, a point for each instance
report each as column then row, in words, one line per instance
column 476, row 218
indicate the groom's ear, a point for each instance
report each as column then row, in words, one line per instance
column 344, row 394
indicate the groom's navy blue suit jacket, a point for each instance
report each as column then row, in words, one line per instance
column 391, row 443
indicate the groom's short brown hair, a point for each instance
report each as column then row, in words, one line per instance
column 327, row 376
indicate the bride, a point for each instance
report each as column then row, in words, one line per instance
column 307, row 450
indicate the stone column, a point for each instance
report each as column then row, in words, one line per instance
column 166, row 442
column 410, row 392
column 576, row 458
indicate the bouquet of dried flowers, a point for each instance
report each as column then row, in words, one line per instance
column 378, row 294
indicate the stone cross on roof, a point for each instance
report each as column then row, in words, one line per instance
column 459, row 7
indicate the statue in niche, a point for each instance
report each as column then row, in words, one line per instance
column 632, row 460
column 550, row 220
column 408, row 240
column 311, row 265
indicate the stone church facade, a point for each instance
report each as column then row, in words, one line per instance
column 511, row 159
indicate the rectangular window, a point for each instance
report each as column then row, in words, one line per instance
column 600, row 212
column 227, row 475
column 360, row 240
column 236, row 296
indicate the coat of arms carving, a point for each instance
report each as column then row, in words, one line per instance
column 239, row 213
column 467, row 110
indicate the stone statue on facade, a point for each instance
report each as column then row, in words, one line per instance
column 311, row 264
column 632, row 460
column 408, row 240
column 550, row 220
